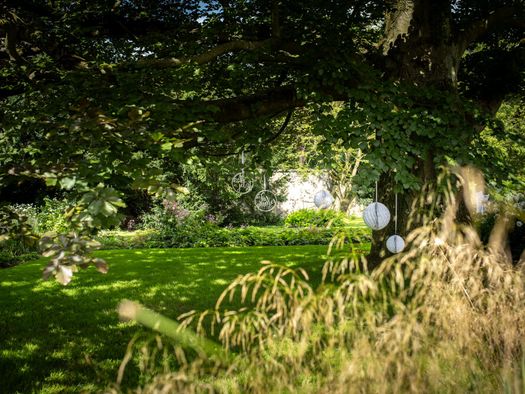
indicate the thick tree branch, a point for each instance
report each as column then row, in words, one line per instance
column 272, row 138
column 206, row 57
column 257, row 105
column 504, row 17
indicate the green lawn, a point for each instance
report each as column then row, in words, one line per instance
column 69, row 339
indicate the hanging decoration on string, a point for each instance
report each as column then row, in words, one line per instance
column 323, row 199
column 395, row 243
column 265, row 200
column 240, row 182
column 376, row 215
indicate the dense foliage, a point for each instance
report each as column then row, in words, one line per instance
column 172, row 226
column 309, row 217
column 209, row 235
column 502, row 148
column 100, row 97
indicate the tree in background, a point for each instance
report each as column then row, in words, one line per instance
column 337, row 160
column 337, row 163
column 95, row 92
column 502, row 145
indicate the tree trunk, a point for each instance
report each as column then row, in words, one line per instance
column 420, row 50
column 409, row 212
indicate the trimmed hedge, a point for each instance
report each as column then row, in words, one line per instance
column 213, row 236
column 308, row 217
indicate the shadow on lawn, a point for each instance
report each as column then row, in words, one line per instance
column 69, row 338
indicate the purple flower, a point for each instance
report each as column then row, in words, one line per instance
column 173, row 208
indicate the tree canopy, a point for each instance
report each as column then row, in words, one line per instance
column 98, row 94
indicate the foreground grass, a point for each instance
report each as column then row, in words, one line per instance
column 69, row 339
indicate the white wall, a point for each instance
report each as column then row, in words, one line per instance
column 300, row 191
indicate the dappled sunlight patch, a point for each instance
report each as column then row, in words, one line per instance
column 15, row 283
column 59, row 354
column 56, row 330
column 55, row 388
column 220, row 282
column 68, row 324
column 60, row 376
column 115, row 285
column 23, row 351
column 70, row 291
column 123, row 324
column 44, row 286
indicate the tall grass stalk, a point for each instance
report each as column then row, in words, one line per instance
column 445, row 316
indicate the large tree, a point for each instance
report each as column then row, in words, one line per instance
column 94, row 91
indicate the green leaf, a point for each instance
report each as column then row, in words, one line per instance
column 108, row 209
column 95, row 207
column 67, row 183
column 157, row 136
column 166, row 146
column 51, row 179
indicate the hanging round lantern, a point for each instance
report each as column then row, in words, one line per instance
column 265, row 201
column 323, row 199
column 395, row 244
column 376, row 216
column 241, row 183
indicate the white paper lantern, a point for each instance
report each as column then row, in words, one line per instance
column 376, row 216
column 323, row 199
column 395, row 244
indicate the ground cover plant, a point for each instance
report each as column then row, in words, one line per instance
column 213, row 236
column 316, row 217
column 68, row 339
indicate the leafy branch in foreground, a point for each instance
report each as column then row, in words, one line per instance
column 67, row 252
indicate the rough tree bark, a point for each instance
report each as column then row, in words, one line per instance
column 420, row 49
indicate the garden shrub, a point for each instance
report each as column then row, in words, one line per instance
column 17, row 240
column 164, row 217
column 50, row 216
column 169, row 225
column 206, row 234
column 27, row 211
column 28, row 221
column 45, row 218
column 15, row 251
column 308, row 217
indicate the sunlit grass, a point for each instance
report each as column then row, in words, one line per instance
column 69, row 339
